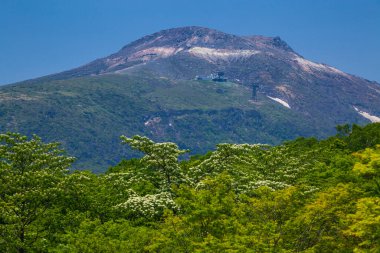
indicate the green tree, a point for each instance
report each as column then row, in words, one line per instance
column 159, row 158
column 206, row 219
column 364, row 137
column 319, row 225
column 30, row 173
column 343, row 130
column 368, row 168
column 112, row 236
column 364, row 225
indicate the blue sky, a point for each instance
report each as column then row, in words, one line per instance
column 42, row 37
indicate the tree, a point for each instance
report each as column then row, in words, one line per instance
column 206, row 219
column 343, row 130
column 364, row 225
column 368, row 168
column 161, row 158
column 111, row 236
column 364, row 137
column 30, row 173
column 319, row 225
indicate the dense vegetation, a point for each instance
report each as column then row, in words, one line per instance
column 88, row 115
column 305, row 195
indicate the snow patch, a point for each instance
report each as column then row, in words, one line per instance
column 310, row 66
column 368, row 116
column 212, row 54
column 278, row 100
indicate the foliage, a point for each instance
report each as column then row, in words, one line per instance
column 364, row 137
column 160, row 158
column 112, row 236
column 306, row 195
column 30, row 174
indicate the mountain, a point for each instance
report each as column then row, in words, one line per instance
column 161, row 86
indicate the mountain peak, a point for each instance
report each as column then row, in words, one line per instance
column 203, row 43
column 275, row 42
column 189, row 30
column 196, row 46
column 187, row 36
column 182, row 39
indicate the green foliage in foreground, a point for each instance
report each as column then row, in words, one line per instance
column 303, row 196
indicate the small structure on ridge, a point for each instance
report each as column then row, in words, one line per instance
column 255, row 87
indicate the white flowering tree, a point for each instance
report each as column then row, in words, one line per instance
column 160, row 168
column 30, row 172
column 253, row 166
column 159, row 158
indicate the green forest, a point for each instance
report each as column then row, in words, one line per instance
column 305, row 195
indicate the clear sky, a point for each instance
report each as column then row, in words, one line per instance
column 40, row 37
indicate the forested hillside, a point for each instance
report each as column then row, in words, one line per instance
column 306, row 195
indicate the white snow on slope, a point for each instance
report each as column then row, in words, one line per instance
column 212, row 54
column 310, row 66
column 278, row 100
column 368, row 116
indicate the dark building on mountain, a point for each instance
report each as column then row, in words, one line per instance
column 220, row 77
